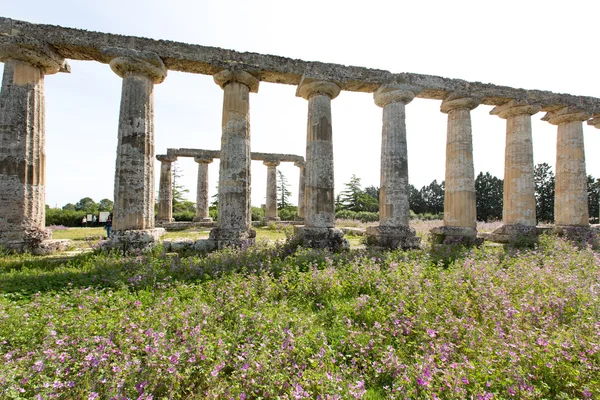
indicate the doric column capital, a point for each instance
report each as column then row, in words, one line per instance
column 595, row 121
column 166, row 158
column 271, row 163
column 224, row 77
column 34, row 52
column 203, row 160
column 299, row 164
column 457, row 101
column 515, row 107
column 566, row 114
column 129, row 61
column 387, row 94
column 308, row 89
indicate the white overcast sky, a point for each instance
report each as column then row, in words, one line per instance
column 547, row 45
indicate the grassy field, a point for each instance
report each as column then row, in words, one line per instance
column 264, row 322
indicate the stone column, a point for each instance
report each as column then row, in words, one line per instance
column 518, row 213
column 319, row 230
column 235, row 217
column 202, row 190
column 133, row 213
column 571, row 199
column 22, row 144
column 460, row 219
column 165, row 190
column 394, row 210
column 271, row 214
column 301, row 195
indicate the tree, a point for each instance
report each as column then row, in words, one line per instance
column 69, row 207
column 86, row 204
column 349, row 197
column 178, row 191
column 593, row 198
column 105, row 205
column 415, row 199
column 544, row 192
column 489, row 191
column 433, row 197
column 283, row 193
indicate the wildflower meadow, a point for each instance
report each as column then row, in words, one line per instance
column 267, row 323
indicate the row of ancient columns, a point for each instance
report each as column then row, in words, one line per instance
column 22, row 158
column 165, row 203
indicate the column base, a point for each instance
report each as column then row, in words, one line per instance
column 43, row 248
column 393, row 237
column 134, row 239
column 222, row 238
column 299, row 219
column 202, row 219
column 272, row 219
column 165, row 220
column 455, row 235
column 25, row 241
column 514, row 234
column 320, row 238
column 577, row 233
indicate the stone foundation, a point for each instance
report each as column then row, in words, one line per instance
column 202, row 219
column 321, row 238
column 579, row 234
column 36, row 247
column 393, row 237
column 231, row 238
column 455, row 235
column 138, row 239
column 512, row 234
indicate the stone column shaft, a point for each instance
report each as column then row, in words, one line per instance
column 165, row 191
column 571, row 199
column 460, row 219
column 235, row 217
column 202, row 214
column 271, row 212
column 394, row 209
column 22, row 143
column 301, row 193
column 319, row 229
column 134, row 172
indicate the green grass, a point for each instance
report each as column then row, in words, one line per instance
column 79, row 233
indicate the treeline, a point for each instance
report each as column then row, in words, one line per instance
column 72, row 214
column 428, row 202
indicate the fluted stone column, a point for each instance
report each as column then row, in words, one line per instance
column 202, row 190
column 235, row 218
column 394, row 210
column 301, row 194
column 22, row 144
column 271, row 214
column 571, row 199
column 165, row 189
column 518, row 213
column 319, row 230
column 133, row 213
column 460, row 219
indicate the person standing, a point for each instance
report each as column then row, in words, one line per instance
column 108, row 227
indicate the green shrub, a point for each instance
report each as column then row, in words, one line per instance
column 362, row 216
column 288, row 213
column 184, row 215
column 258, row 213
column 213, row 212
column 56, row 216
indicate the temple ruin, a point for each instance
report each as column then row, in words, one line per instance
column 31, row 51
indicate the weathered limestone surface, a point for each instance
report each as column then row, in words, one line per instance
column 571, row 199
column 22, row 144
column 301, row 194
column 134, row 175
column 234, row 224
column 394, row 210
column 271, row 213
column 80, row 44
column 254, row 156
column 518, row 214
column 202, row 190
column 460, row 219
column 319, row 229
column 165, row 190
